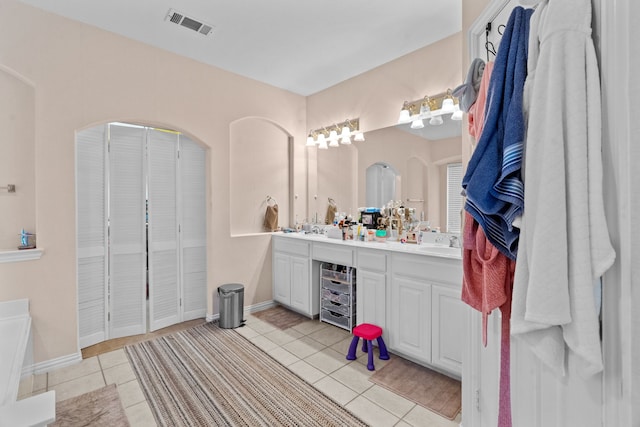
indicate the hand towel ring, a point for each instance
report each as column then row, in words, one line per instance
column 271, row 199
column 332, row 202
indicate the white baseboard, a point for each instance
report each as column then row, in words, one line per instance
column 247, row 309
column 52, row 364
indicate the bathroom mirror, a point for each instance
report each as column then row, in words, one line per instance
column 419, row 159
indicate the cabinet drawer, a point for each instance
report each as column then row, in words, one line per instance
column 339, row 276
column 291, row 246
column 372, row 260
column 432, row 269
column 338, row 297
column 336, row 319
column 333, row 253
column 336, row 287
column 344, row 310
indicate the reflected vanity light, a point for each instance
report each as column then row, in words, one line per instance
column 338, row 134
column 430, row 108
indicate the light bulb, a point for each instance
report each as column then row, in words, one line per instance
column 333, row 143
column 333, row 136
column 346, row 132
column 345, row 140
column 447, row 105
column 321, row 139
column 310, row 141
column 457, row 115
column 417, row 124
column 359, row 137
column 322, row 145
column 405, row 116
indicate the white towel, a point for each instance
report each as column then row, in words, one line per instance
column 564, row 243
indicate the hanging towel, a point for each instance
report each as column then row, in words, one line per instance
column 492, row 183
column 565, row 245
column 487, row 284
column 477, row 110
column 331, row 214
column 467, row 92
column 271, row 218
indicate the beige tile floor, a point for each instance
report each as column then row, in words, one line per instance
column 313, row 350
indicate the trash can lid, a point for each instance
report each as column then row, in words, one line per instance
column 231, row 288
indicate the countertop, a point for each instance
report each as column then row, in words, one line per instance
column 427, row 248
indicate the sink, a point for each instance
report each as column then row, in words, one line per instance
column 440, row 250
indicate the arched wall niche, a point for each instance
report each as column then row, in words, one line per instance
column 17, row 162
column 260, row 166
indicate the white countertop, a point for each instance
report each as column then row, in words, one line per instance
column 428, row 249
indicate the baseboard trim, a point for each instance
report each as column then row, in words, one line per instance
column 52, row 364
column 247, row 309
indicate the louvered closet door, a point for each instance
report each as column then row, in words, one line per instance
column 193, row 206
column 127, row 231
column 164, row 289
column 91, row 202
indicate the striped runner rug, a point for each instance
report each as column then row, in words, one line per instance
column 208, row 376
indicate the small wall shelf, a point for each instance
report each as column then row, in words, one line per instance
column 20, row 255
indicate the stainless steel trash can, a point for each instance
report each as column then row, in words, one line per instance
column 231, row 305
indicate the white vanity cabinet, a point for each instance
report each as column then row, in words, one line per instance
column 426, row 316
column 372, row 288
column 292, row 276
column 412, row 292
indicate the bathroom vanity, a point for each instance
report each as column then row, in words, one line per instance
column 411, row 291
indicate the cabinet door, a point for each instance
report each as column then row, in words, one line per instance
column 410, row 329
column 371, row 298
column 300, row 279
column 281, row 278
column 449, row 319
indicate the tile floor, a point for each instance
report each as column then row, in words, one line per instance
column 313, row 350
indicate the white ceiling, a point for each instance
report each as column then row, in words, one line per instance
column 303, row 46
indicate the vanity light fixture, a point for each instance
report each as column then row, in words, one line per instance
column 336, row 135
column 431, row 108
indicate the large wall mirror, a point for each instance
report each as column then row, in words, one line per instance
column 395, row 163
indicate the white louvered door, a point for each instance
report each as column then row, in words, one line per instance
column 193, row 197
column 91, row 205
column 127, row 243
column 164, row 289
column 124, row 174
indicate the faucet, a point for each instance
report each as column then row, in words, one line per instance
column 315, row 229
column 454, row 242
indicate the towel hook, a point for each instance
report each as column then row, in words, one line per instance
column 331, row 201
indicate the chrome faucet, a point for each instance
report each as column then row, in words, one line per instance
column 454, row 242
column 315, row 229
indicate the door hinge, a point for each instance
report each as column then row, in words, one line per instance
column 180, row 302
column 109, row 317
column 477, row 398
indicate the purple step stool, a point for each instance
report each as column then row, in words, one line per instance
column 368, row 333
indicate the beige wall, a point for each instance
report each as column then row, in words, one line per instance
column 84, row 76
column 17, row 115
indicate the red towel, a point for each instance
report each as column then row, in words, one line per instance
column 486, row 285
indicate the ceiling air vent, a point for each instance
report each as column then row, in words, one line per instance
column 185, row 21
